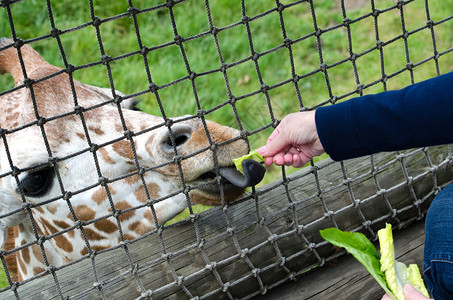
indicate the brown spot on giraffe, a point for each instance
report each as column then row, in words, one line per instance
column 148, row 144
column 127, row 237
column 11, row 259
column 39, row 208
column 123, row 205
column 148, row 214
column 84, row 251
column 139, row 228
column 49, row 228
column 124, row 149
column 106, row 226
column 19, row 275
column 52, row 208
column 93, row 235
column 133, row 178
column 83, row 213
column 153, row 190
column 96, row 129
column 63, row 243
column 61, row 224
column 25, row 253
column 11, row 118
column 80, row 135
column 36, row 250
column 100, row 195
column 38, row 270
column 105, row 156
column 119, row 127
column 169, row 170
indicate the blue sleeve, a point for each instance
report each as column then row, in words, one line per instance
column 419, row 115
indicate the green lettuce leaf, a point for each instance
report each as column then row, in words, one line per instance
column 361, row 248
column 252, row 154
column 397, row 273
column 391, row 274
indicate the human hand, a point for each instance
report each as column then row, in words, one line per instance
column 294, row 142
column 410, row 293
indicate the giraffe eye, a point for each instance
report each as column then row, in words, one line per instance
column 37, row 183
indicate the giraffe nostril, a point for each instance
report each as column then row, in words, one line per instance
column 178, row 137
column 181, row 140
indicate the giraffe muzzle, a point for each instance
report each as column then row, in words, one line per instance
column 253, row 174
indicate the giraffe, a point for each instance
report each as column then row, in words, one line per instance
column 82, row 173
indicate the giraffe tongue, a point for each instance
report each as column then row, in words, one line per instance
column 253, row 174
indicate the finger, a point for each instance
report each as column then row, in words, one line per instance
column 279, row 159
column 294, row 150
column 386, row 297
column 303, row 160
column 411, row 293
column 288, row 159
column 268, row 160
column 297, row 161
column 278, row 142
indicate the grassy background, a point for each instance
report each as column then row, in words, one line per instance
column 167, row 65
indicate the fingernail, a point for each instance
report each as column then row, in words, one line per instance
column 262, row 150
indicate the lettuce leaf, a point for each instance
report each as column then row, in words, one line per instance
column 391, row 274
column 238, row 161
column 361, row 248
column 396, row 273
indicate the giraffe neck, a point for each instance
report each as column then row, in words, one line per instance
column 31, row 260
column 60, row 248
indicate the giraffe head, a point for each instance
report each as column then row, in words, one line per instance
column 81, row 171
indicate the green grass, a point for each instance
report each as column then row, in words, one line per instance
column 3, row 279
column 166, row 64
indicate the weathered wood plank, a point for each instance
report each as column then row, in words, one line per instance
column 261, row 241
column 347, row 278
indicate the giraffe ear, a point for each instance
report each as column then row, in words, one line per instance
column 13, row 207
column 10, row 62
column 130, row 103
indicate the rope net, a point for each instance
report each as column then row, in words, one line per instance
column 314, row 53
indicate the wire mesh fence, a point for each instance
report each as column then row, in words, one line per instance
column 242, row 64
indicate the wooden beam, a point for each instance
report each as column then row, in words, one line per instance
column 346, row 278
column 267, row 238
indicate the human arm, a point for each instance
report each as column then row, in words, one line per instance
column 417, row 116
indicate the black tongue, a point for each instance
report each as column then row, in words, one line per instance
column 253, row 174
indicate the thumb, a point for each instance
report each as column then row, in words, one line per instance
column 411, row 293
column 277, row 141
